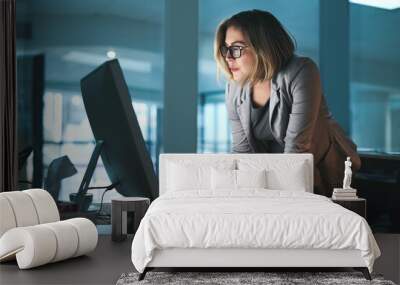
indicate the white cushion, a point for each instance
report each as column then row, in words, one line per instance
column 45, row 205
column 26, row 208
column 23, row 208
column 237, row 179
column 282, row 174
column 251, row 178
column 34, row 244
column 186, row 175
column 7, row 218
column 67, row 240
column 223, row 179
column 87, row 235
column 40, row 244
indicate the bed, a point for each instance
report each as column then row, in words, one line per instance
column 247, row 210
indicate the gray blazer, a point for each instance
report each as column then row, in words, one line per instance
column 299, row 119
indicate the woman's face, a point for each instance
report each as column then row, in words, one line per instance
column 240, row 67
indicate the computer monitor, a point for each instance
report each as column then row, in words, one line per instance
column 116, row 129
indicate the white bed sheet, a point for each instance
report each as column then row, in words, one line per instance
column 250, row 218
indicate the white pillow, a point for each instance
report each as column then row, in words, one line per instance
column 193, row 175
column 237, row 179
column 294, row 179
column 281, row 174
column 223, row 179
column 251, row 178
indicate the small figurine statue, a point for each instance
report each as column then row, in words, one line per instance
column 347, row 174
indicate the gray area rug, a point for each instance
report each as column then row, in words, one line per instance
column 230, row 278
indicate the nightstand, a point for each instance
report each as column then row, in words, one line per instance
column 120, row 208
column 358, row 206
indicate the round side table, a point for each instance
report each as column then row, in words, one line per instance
column 119, row 215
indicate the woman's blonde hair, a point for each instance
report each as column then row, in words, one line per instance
column 266, row 38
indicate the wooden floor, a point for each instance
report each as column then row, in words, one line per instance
column 103, row 266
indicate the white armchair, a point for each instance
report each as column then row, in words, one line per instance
column 31, row 230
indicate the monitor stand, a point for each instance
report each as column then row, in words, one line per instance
column 83, row 188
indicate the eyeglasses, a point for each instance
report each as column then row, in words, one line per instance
column 234, row 51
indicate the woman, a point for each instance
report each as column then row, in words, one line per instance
column 274, row 98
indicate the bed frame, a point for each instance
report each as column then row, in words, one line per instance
column 246, row 258
column 243, row 259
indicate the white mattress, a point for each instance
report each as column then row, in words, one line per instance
column 250, row 219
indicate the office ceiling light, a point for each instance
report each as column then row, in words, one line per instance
column 111, row 54
column 383, row 4
column 97, row 59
